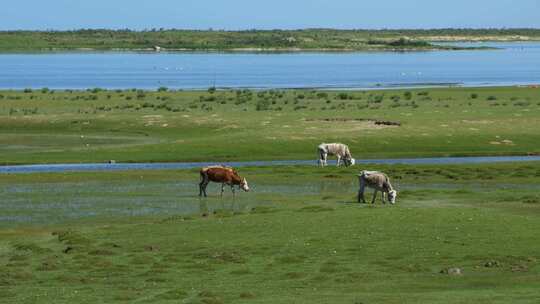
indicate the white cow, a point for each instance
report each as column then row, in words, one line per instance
column 341, row 151
column 377, row 181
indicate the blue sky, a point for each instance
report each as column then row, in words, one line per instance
column 284, row 14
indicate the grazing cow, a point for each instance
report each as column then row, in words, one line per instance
column 223, row 175
column 341, row 151
column 377, row 181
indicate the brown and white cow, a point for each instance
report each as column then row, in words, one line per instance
column 223, row 175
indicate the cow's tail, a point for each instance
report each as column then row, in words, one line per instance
column 203, row 173
column 321, row 152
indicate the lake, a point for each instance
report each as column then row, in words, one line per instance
column 513, row 63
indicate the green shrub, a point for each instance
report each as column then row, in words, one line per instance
column 322, row 95
column 207, row 98
column 408, row 95
column 376, row 99
column 263, row 105
column 343, row 96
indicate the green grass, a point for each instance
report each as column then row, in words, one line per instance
column 269, row 40
column 44, row 126
column 299, row 237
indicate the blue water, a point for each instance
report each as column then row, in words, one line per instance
column 176, row 166
column 514, row 63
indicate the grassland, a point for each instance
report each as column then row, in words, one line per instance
column 45, row 126
column 252, row 40
column 298, row 237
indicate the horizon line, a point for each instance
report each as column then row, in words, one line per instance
column 211, row 29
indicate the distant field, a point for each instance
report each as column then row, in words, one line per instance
column 44, row 126
column 253, row 40
column 299, row 236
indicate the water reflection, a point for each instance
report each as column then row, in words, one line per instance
column 50, row 203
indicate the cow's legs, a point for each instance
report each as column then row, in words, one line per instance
column 338, row 160
column 361, row 198
column 322, row 158
column 202, row 185
column 222, row 188
column 203, row 188
column 382, row 195
column 374, row 197
column 232, row 189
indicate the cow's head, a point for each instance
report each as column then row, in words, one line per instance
column 350, row 162
column 244, row 185
column 392, row 195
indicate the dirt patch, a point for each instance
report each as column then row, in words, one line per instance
column 505, row 142
column 316, row 209
column 348, row 124
column 478, row 122
column 492, row 264
column 338, row 119
column 387, row 123
column 150, row 120
column 228, row 127
column 301, row 138
column 452, row 271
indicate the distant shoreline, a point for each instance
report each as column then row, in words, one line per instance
column 268, row 41
column 251, row 50
column 389, row 87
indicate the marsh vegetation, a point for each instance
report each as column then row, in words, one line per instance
column 97, row 125
column 299, row 235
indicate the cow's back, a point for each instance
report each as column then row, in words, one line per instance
column 218, row 173
column 336, row 149
column 375, row 179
